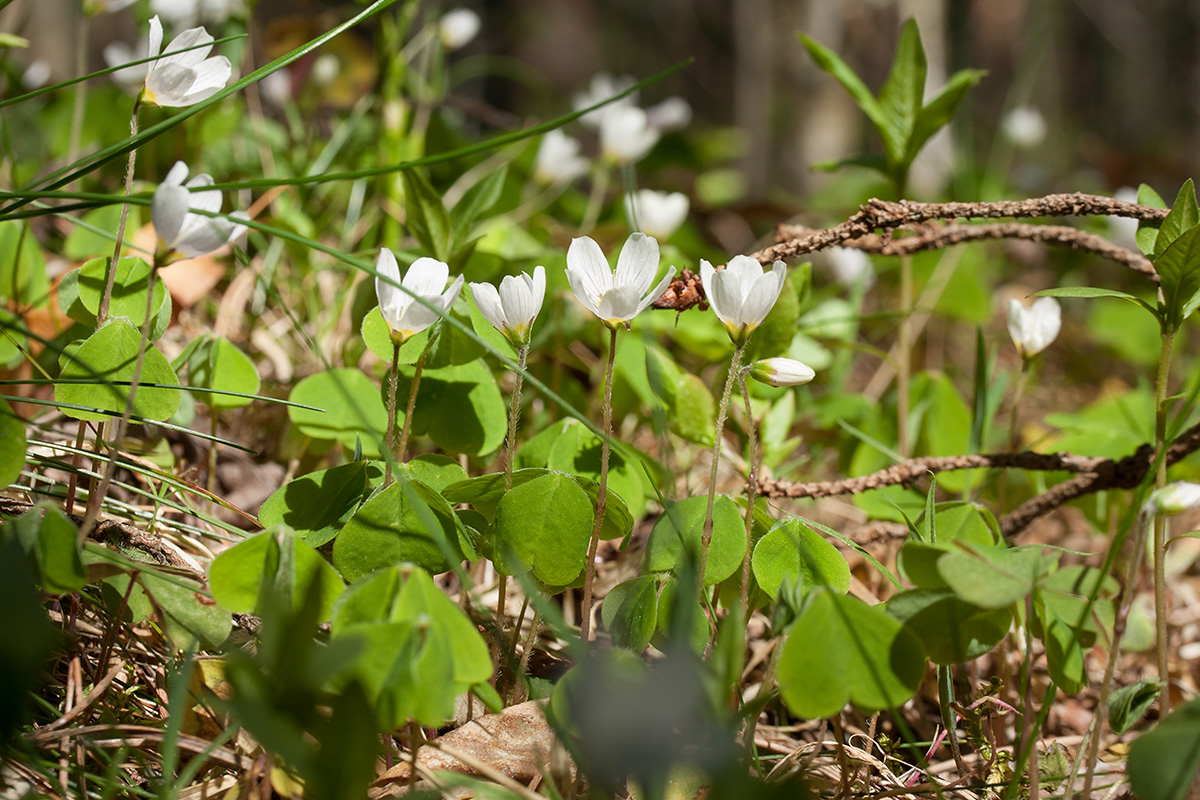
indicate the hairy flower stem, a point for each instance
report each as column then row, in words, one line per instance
column 390, row 446
column 514, row 414
column 751, row 492
column 110, row 277
column 93, row 508
column 1100, row 718
column 904, row 354
column 589, row 568
column 1160, row 522
column 402, row 447
column 735, row 366
column 1014, row 434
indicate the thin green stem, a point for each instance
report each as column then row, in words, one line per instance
column 596, row 198
column 412, row 403
column 110, row 278
column 904, row 356
column 1014, row 435
column 81, row 91
column 514, row 414
column 751, row 492
column 1160, row 523
column 390, row 447
column 735, row 365
column 589, row 568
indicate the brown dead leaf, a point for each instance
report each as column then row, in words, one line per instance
column 188, row 281
column 516, row 743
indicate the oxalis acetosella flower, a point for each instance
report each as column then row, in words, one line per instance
column 1033, row 329
column 1175, row 498
column 742, row 294
column 657, row 214
column 514, row 306
column 558, row 159
column 781, row 371
column 617, row 296
column 182, row 232
column 182, row 76
column 426, row 278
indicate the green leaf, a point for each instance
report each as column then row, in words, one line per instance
column 378, row 338
column 248, row 576
column 318, row 504
column 1163, row 762
column 1095, row 291
column 552, row 545
column 940, row 110
column 693, row 409
column 109, row 356
column 964, row 523
column 578, row 451
column 681, row 617
column 902, row 94
column 351, row 410
column 775, row 334
column 1128, row 704
column 630, row 612
column 951, row 630
column 388, row 530
column 12, row 444
column 1183, row 216
column 29, row 640
column 217, row 363
column 22, row 266
column 448, row 346
column 840, row 650
column 427, row 219
column 830, row 62
column 434, row 470
column 189, row 618
column 51, row 542
column 128, row 295
column 474, row 203
column 680, row 529
column 458, row 407
column 1179, row 272
column 993, row 577
column 1147, row 233
column 793, row 552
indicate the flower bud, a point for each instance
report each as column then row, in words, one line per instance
column 781, row 372
column 1175, row 498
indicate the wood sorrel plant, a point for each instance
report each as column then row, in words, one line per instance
column 616, row 297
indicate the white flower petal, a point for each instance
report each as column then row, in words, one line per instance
column 656, row 292
column 588, row 272
column 782, row 372
column 619, row 304
column 451, row 294
column 168, row 210
column 538, row 289
column 638, row 262
column 724, row 290
column 177, row 52
column 488, row 300
column 426, row 277
column 156, row 37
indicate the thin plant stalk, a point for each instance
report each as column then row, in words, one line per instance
column 402, row 447
column 110, row 278
column 81, row 90
column 595, row 199
column 390, row 446
column 589, row 568
column 1014, row 436
column 1100, row 719
column 510, row 455
column 735, row 365
column 904, row 356
column 751, row 492
column 1160, row 522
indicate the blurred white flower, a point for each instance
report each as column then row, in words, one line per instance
column 656, row 213
column 513, row 308
column 616, row 297
column 1175, row 498
column 1123, row 230
column 276, row 88
column 1024, row 126
column 183, row 78
column 558, row 159
column 189, row 13
column 851, row 267
column 742, row 294
column 1034, row 328
column 117, row 53
column 325, row 70
column 781, row 372
column 36, row 74
column 602, row 87
column 671, row 114
column 183, row 233
column 626, row 135
column 458, row 27
column 426, row 279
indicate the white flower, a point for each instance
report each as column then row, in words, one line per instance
column 36, row 74
column 626, row 134
column 1034, row 328
column 851, row 267
column 604, row 86
column 513, row 308
column 1024, row 126
column 781, row 372
column 1175, row 498
column 183, row 78
column 458, row 27
column 742, row 294
column 558, row 159
column 426, row 279
column 183, row 233
column 192, row 12
column 1123, row 230
column 671, row 114
column 657, row 213
column 615, row 297
column 118, row 53
column 325, row 70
